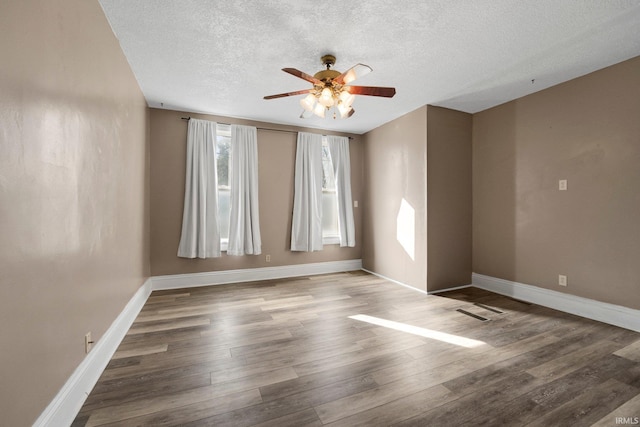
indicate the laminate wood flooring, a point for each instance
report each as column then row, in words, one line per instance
column 352, row 349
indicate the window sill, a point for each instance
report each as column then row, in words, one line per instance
column 331, row 240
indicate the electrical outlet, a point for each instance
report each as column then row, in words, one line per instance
column 562, row 185
column 355, row 203
column 562, row 280
column 268, row 258
column 88, row 342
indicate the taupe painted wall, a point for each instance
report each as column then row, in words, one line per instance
column 588, row 132
column 276, row 158
column 448, row 198
column 419, row 163
column 396, row 170
column 73, row 194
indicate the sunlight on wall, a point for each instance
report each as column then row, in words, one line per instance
column 422, row 332
column 406, row 228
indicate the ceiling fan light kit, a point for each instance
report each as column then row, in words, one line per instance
column 331, row 91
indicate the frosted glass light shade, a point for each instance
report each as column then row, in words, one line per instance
column 307, row 102
column 346, row 98
column 319, row 110
column 344, row 110
column 326, row 97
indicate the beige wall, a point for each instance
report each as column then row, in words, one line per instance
column 76, row 197
column 448, row 198
column 417, row 221
column 588, row 132
column 73, row 199
column 276, row 158
column 396, row 171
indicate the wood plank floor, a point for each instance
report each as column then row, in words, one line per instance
column 352, row 349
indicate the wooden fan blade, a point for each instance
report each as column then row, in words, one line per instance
column 303, row 76
column 282, row 95
column 387, row 92
column 352, row 73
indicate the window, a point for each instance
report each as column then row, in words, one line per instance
column 330, row 231
column 223, row 150
column 207, row 226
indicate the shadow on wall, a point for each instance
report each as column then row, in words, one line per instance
column 494, row 193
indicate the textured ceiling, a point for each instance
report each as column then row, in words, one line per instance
column 222, row 57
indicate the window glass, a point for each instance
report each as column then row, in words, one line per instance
column 223, row 150
column 330, row 232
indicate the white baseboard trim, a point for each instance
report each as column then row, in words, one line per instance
column 65, row 406
column 411, row 287
column 67, row 403
column 601, row 311
column 455, row 288
column 389, row 279
column 178, row 281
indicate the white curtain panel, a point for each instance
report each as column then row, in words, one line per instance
column 339, row 149
column 244, row 225
column 200, row 236
column 306, row 227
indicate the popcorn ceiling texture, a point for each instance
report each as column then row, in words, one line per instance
column 223, row 57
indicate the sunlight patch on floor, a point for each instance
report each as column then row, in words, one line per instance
column 422, row 332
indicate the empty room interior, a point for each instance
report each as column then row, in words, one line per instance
column 301, row 214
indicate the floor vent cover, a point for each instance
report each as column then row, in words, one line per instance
column 475, row 316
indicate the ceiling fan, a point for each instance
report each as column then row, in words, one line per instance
column 331, row 89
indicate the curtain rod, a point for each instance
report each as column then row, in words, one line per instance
column 275, row 130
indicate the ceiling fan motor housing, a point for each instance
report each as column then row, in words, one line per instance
column 327, row 75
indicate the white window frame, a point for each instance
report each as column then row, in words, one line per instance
column 327, row 238
column 224, row 131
